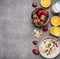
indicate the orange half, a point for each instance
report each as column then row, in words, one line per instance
column 45, row 3
column 55, row 21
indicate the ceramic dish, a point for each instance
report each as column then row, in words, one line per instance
column 40, row 17
column 49, row 47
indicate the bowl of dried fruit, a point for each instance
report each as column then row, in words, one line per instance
column 40, row 17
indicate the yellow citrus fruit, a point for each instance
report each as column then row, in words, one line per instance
column 45, row 3
column 55, row 21
column 55, row 31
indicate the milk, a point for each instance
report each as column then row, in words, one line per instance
column 56, row 7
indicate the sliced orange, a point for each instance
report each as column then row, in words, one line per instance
column 55, row 21
column 55, row 31
column 45, row 3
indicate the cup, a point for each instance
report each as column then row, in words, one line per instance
column 56, row 8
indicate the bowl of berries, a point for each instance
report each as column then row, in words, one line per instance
column 40, row 17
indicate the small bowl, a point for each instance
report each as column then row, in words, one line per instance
column 55, row 54
column 44, row 23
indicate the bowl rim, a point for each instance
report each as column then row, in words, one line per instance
column 58, row 48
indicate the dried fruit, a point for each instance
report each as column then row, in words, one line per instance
column 35, row 51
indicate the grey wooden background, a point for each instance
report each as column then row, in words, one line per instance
column 16, row 30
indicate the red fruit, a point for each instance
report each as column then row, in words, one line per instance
column 39, row 12
column 33, row 19
column 43, row 17
column 34, row 42
column 35, row 51
column 34, row 4
column 42, row 22
column 45, row 12
column 45, row 28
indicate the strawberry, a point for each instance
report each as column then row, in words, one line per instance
column 43, row 17
column 35, row 16
column 34, row 20
column 39, row 13
column 45, row 12
column 35, row 51
column 45, row 28
column 34, row 4
column 37, row 10
column 42, row 22
column 34, row 42
column 38, row 19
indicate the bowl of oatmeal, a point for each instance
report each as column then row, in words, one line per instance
column 49, row 47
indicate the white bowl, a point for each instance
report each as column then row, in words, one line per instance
column 55, row 54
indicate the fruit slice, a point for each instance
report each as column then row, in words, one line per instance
column 35, row 16
column 55, row 31
column 42, row 22
column 45, row 3
column 55, row 21
column 43, row 17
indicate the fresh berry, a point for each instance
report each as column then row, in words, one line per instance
column 39, row 13
column 37, row 10
column 34, row 20
column 38, row 19
column 34, row 4
column 43, row 17
column 42, row 22
column 45, row 12
column 45, row 28
column 34, row 42
column 35, row 16
column 35, row 51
